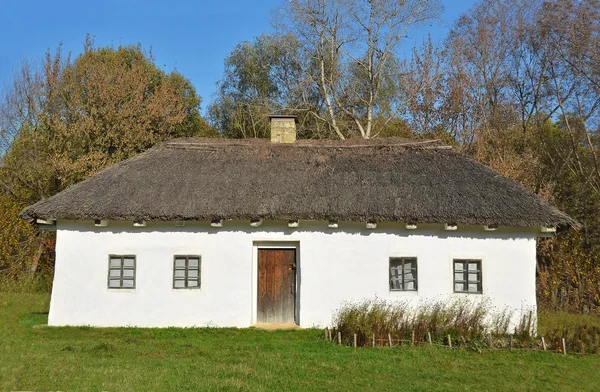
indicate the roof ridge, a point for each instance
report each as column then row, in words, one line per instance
column 190, row 144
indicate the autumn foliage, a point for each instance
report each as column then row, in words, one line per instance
column 65, row 120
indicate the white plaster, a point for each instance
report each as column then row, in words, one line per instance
column 350, row 263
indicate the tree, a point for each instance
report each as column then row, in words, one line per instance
column 66, row 120
column 349, row 51
column 260, row 79
column 527, row 75
column 348, row 54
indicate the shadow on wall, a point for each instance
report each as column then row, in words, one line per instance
column 281, row 228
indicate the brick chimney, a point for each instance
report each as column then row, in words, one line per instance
column 283, row 129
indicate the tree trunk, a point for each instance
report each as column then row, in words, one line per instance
column 36, row 260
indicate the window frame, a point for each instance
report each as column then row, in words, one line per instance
column 415, row 270
column 465, row 272
column 186, row 269
column 121, row 269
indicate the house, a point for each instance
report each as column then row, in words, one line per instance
column 217, row 232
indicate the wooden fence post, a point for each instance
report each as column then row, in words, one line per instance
column 339, row 338
column 373, row 340
column 564, row 344
column 543, row 343
column 510, row 343
column 412, row 339
column 429, row 338
column 449, row 341
column 326, row 334
column 354, row 340
column 390, row 339
column 490, row 341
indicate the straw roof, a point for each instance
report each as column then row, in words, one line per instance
column 367, row 180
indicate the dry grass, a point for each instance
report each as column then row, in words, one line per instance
column 459, row 319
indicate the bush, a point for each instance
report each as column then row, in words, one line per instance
column 461, row 319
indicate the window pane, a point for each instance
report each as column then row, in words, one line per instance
column 473, row 266
column 128, row 263
column 180, row 273
column 128, row 273
column 114, row 273
column 193, row 273
column 193, row 263
column 179, row 284
column 396, row 274
column 459, row 287
column 114, row 283
column 180, row 263
column 473, row 287
column 458, row 266
column 128, row 283
column 193, row 283
column 458, row 276
column 115, row 263
column 409, row 286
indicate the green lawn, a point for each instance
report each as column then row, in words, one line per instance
column 38, row 358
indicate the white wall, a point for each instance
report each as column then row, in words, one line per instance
column 348, row 263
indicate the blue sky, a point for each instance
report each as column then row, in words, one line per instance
column 192, row 36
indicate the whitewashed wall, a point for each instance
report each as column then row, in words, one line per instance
column 348, row 263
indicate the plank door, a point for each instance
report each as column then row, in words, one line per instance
column 276, row 285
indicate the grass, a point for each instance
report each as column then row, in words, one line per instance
column 549, row 321
column 34, row 357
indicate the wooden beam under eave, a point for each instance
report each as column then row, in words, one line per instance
column 256, row 222
column 100, row 223
column 450, row 227
column 45, row 221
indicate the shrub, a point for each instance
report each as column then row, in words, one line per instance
column 459, row 319
column 471, row 324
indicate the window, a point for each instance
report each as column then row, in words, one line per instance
column 467, row 276
column 121, row 272
column 403, row 274
column 186, row 272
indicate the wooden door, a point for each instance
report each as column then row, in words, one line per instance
column 276, row 285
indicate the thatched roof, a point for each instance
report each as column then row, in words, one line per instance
column 377, row 180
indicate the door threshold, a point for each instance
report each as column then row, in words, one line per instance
column 276, row 326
